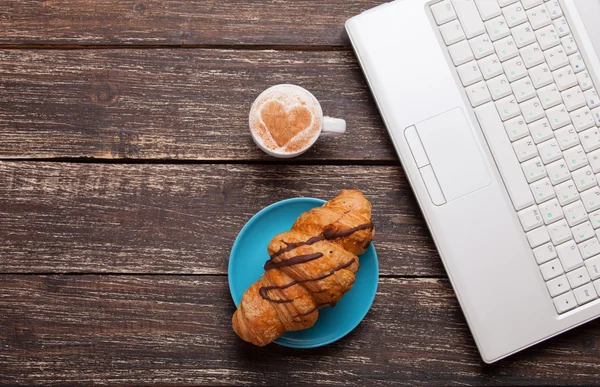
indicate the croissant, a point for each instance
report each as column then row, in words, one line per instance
column 310, row 267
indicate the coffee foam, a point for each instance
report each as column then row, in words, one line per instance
column 284, row 110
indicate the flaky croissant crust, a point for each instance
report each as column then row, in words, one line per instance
column 311, row 266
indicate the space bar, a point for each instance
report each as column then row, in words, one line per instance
column 504, row 155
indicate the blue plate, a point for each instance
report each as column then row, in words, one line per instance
column 249, row 254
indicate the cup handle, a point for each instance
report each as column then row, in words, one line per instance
column 333, row 127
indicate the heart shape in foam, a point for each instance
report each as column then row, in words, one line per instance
column 284, row 124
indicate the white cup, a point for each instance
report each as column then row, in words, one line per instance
column 291, row 97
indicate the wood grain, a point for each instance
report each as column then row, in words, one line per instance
column 146, row 218
column 178, row 22
column 154, row 329
column 173, row 104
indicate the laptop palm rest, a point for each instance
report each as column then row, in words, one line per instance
column 453, row 153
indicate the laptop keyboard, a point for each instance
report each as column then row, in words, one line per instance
column 527, row 81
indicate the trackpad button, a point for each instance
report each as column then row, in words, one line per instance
column 453, row 154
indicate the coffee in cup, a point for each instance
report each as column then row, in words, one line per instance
column 286, row 120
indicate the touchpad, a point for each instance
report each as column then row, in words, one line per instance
column 453, row 154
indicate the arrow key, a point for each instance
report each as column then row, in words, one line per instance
column 565, row 302
column 558, row 286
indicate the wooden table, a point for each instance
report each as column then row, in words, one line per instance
column 127, row 171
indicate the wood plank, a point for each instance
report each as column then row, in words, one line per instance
column 157, row 329
column 152, row 218
column 178, row 22
column 173, row 104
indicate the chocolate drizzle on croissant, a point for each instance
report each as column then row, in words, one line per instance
column 310, row 267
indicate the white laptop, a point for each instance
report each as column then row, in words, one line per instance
column 493, row 108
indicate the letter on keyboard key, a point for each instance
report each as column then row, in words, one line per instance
column 497, row 28
column 508, row 107
column 534, row 169
column 551, row 269
column 514, row 15
column 547, row 37
column 565, row 302
column 569, row 256
column 595, row 219
column 558, row 116
column 532, row 55
column 499, row 87
column 558, row 286
column 541, row 75
column 539, row 17
column 554, row 9
column 590, row 139
column 530, row 218
column 544, row 253
column 551, row 211
column 482, row 46
column 556, row 57
column 443, row 12
column 591, row 199
column 490, row 66
column 541, row 130
column 582, row 119
column 585, row 294
column 575, row 158
column 558, row 171
column 516, row 128
column 515, row 69
column 525, row 149
column 567, row 138
column 550, row 151
column 487, row 9
column 504, row 155
column 573, row 98
column 584, row 178
column 532, row 110
column 538, row 236
column 469, row 73
column 469, row 17
column 566, row 192
column 564, row 78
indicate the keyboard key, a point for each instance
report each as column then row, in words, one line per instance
column 478, row 94
column 558, row 286
column 594, row 159
column 530, row 218
column 514, row 14
column 584, row 178
column 482, row 46
column 591, row 98
column 597, row 286
column 549, row 151
column 541, row 130
column 497, row 28
column 560, row 232
column 551, row 211
column 573, row 98
column 523, row 89
column 585, row 294
column 490, row 66
column 452, row 32
column 542, row 190
column 556, row 57
column 532, row 55
column 506, row 48
column 579, row 276
column 575, row 213
column 551, row 269
column 525, row 149
column 538, row 236
column 538, row 17
column 531, row 3
column 566, row 192
column 590, row 139
column 469, row 17
column 558, row 172
column 558, row 116
column 549, row 96
column 443, row 12
column 488, row 9
column 595, row 219
column 461, row 53
column 577, row 63
column 582, row 119
column 534, row 170
column 569, row 256
column 562, row 27
column 590, row 248
column 591, row 199
column 554, row 9
column 523, row 35
column 569, row 44
column 596, row 116
column 544, row 253
column 541, row 75
column 567, row 137
column 548, row 37
column 575, row 158
column 504, row 155
column 565, row 302
column 499, row 87
column 564, row 77
column 514, row 69
column 516, row 128
column 508, row 107
column 504, row 3
column 584, row 80
column 583, row 232
column 593, row 267
column 532, row 110
column 469, row 73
